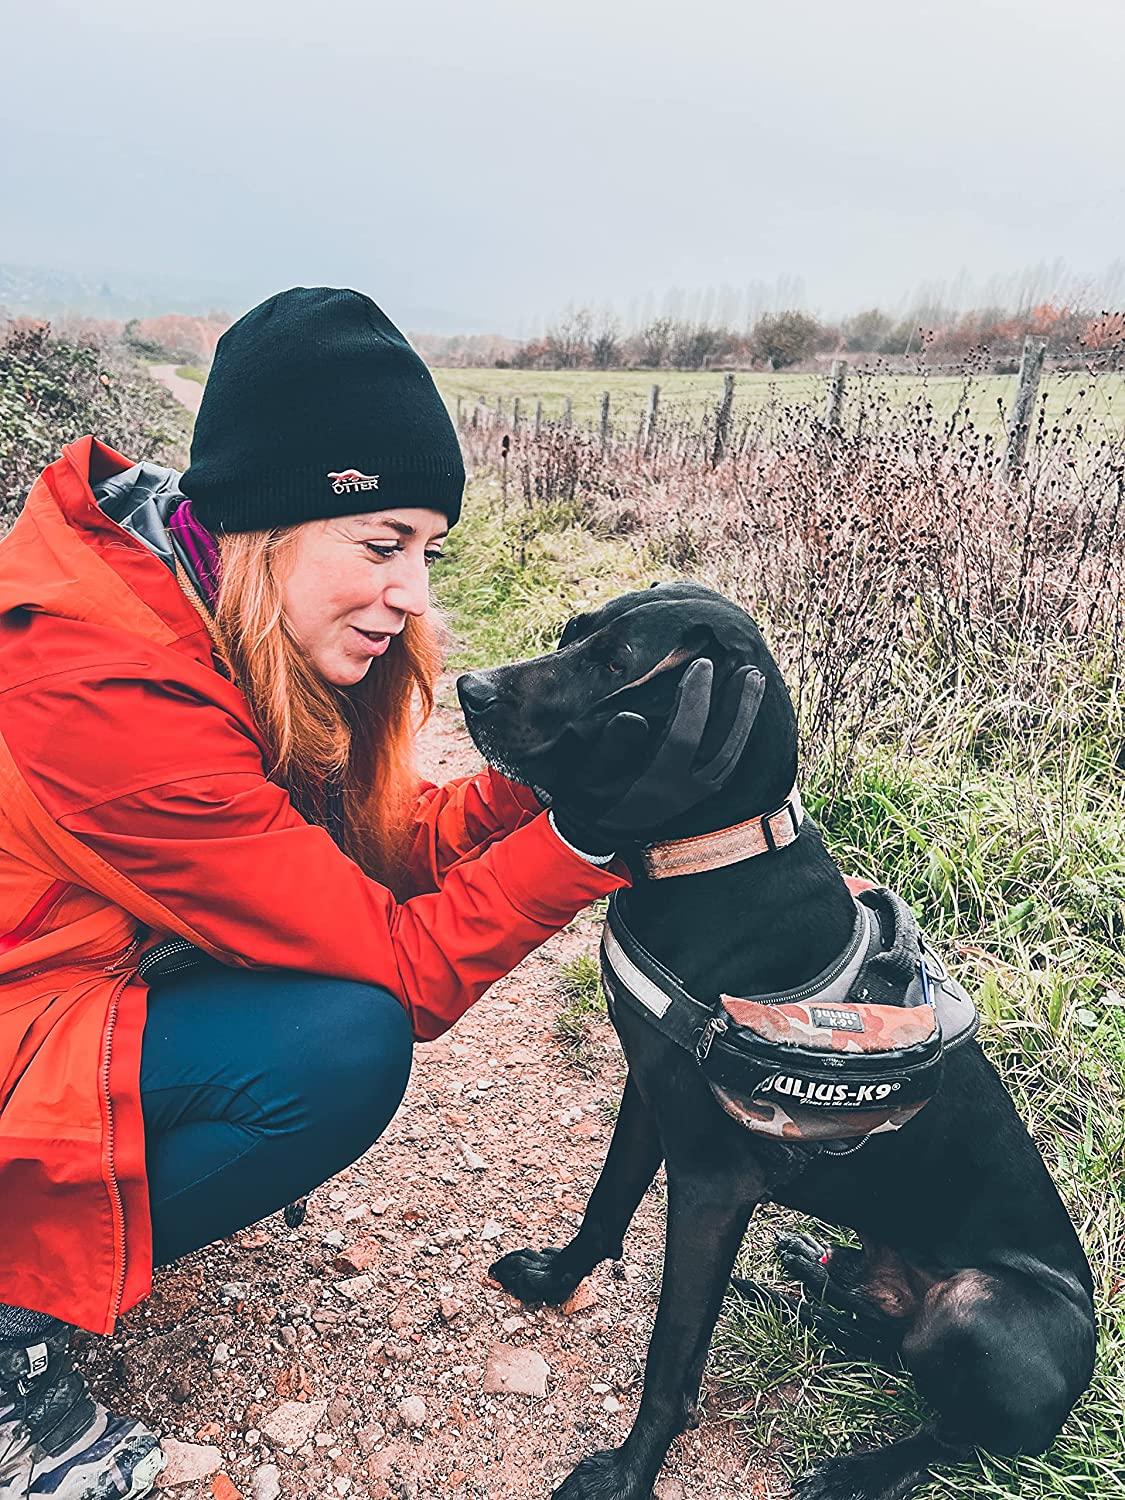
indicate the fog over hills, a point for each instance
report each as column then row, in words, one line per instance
column 479, row 167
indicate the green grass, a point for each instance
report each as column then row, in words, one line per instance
column 501, row 609
column 1071, row 398
column 192, row 372
column 1008, row 838
column 581, row 989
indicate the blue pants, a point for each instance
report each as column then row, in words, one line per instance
column 256, row 1087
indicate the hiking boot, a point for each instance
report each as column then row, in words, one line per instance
column 55, row 1440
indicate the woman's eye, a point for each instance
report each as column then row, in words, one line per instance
column 380, row 549
column 432, row 557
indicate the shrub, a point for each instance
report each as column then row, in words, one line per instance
column 52, row 393
column 785, row 338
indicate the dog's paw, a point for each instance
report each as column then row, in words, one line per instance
column 599, row 1477
column 879, row 1474
column 804, row 1258
column 767, row 1297
column 533, row 1277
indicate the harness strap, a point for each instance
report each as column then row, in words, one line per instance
column 631, row 973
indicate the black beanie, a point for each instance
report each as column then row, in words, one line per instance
column 317, row 406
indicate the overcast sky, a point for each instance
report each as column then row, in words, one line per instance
column 479, row 164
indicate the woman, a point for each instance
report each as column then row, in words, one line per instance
column 227, row 906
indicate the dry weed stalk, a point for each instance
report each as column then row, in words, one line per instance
column 864, row 552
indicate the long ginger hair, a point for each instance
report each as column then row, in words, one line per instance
column 359, row 739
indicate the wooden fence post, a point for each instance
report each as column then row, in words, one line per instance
column 722, row 421
column 538, row 417
column 834, row 405
column 566, row 412
column 650, row 418
column 515, row 414
column 458, row 413
column 603, row 421
column 499, row 411
column 1023, row 407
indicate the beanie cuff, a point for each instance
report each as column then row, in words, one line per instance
column 290, row 497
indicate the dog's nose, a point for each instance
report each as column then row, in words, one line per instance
column 476, row 692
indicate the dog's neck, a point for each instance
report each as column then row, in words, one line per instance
column 766, row 923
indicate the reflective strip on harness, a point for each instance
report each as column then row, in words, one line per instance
column 651, row 996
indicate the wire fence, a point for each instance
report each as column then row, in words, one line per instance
column 1070, row 415
column 983, row 525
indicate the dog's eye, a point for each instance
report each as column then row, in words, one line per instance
column 612, row 666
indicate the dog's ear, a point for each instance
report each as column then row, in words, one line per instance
column 572, row 630
column 727, row 626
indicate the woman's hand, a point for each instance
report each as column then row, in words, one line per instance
column 621, row 803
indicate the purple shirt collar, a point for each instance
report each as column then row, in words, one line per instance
column 200, row 548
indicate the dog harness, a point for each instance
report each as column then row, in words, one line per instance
column 854, row 1052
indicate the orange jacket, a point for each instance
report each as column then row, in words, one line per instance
column 134, row 805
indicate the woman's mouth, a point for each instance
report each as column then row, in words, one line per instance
column 375, row 641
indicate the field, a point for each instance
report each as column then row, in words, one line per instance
column 953, row 645
column 954, row 641
column 1071, row 397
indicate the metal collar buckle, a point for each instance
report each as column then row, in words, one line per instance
column 767, row 825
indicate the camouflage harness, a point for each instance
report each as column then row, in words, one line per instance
column 856, row 1051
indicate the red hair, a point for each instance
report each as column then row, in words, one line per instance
column 362, row 738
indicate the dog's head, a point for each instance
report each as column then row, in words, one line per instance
column 540, row 721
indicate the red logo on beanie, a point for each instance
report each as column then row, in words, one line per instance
column 351, row 481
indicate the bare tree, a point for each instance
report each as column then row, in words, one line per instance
column 568, row 342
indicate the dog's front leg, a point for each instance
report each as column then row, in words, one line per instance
column 708, row 1212
column 551, row 1275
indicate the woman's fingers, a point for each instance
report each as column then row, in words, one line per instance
column 743, row 696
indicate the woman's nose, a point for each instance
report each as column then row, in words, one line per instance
column 410, row 591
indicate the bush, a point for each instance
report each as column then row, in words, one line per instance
column 785, row 338
column 52, row 393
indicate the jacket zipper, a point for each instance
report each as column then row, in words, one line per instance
column 111, row 961
column 117, row 1203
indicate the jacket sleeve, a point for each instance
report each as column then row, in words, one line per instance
column 186, row 830
column 459, row 820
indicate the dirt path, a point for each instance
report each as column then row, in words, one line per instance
column 188, row 393
column 351, row 1356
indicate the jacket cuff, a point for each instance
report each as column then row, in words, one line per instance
column 548, row 880
column 522, row 795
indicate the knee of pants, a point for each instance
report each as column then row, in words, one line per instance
column 359, row 1073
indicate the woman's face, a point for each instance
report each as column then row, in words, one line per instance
column 352, row 582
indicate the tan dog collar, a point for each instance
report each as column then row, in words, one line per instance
column 729, row 846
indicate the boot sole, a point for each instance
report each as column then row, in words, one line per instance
column 141, row 1481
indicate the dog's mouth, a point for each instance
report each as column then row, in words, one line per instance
column 489, row 719
column 518, row 765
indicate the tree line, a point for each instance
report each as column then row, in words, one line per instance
column 792, row 337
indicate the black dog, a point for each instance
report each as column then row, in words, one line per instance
column 971, row 1273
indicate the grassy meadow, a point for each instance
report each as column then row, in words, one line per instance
column 1070, row 397
column 953, row 649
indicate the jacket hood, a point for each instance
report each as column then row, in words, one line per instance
column 92, row 543
column 141, row 500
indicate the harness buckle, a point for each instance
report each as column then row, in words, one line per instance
column 924, row 975
column 713, row 1028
